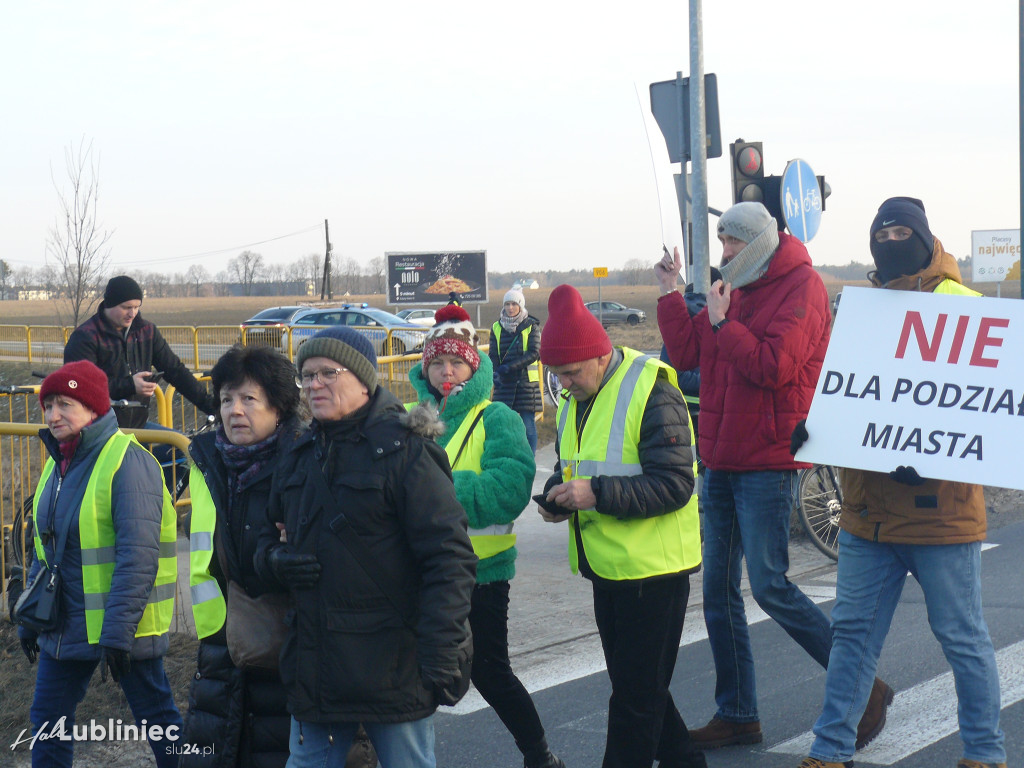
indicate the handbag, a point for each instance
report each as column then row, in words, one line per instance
column 256, row 627
column 39, row 607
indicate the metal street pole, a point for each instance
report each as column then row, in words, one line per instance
column 699, row 153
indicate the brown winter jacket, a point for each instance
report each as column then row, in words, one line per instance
column 878, row 508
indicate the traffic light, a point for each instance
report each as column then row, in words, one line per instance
column 747, row 171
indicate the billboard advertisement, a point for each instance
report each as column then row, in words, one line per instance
column 428, row 278
column 994, row 253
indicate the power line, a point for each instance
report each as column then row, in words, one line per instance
column 218, row 252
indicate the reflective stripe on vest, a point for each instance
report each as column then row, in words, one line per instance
column 209, row 610
column 632, row 548
column 494, row 539
column 533, row 369
column 97, row 541
column 952, row 287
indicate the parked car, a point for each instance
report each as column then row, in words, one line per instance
column 424, row 317
column 373, row 323
column 270, row 327
column 612, row 312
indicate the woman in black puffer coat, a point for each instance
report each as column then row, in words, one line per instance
column 240, row 713
column 515, row 353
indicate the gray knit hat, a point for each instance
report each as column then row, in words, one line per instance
column 745, row 221
column 345, row 347
column 514, row 294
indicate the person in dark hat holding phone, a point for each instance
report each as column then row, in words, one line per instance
column 624, row 482
column 128, row 349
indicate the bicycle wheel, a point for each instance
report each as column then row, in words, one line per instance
column 819, row 502
column 552, row 387
column 22, row 548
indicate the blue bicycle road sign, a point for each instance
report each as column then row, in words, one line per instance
column 801, row 200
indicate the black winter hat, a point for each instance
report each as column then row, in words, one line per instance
column 121, row 289
column 904, row 212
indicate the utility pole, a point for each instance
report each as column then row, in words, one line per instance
column 698, row 154
column 325, row 284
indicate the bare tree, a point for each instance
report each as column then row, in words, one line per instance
column 245, row 268
column 378, row 273
column 637, row 272
column 77, row 242
column 5, row 279
column 197, row 275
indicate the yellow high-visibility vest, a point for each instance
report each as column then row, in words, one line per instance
column 97, row 541
column 497, row 538
column 533, row 369
column 209, row 609
column 954, row 288
column 632, row 548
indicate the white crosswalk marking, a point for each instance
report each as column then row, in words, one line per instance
column 924, row 714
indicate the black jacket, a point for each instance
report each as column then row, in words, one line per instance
column 512, row 385
column 120, row 357
column 351, row 656
column 241, row 714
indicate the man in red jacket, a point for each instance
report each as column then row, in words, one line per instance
column 760, row 343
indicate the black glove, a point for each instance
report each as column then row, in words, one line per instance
column 906, row 475
column 292, row 569
column 504, row 371
column 117, row 661
column 799, row 436
column 442, row 681
column 30, row 646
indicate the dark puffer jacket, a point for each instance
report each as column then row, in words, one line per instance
column 350, row 655
column 759, row 371
column 120, row 357
column 242, row 714
column 512, row 385
column 136, row 511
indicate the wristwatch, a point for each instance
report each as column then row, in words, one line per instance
column 718, row 326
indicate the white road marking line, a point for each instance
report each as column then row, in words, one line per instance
column 923, row 714
column 572, row 661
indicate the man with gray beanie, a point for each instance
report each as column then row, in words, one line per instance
column 760, row 344
column 365, row 533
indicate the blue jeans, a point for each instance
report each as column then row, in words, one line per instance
column 870, row 580
column 61, row 685
column 398, row 745
column 530, row 422
column 746, row 514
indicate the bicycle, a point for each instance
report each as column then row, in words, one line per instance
column 819, row 504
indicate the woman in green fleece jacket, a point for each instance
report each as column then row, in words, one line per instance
column 493, row 470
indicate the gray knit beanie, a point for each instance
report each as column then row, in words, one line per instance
column 346, row 347
column 745, row 221
column 514, row 294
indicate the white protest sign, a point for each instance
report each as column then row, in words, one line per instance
column 931, row 381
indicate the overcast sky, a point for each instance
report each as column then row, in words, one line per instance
column 512, row 128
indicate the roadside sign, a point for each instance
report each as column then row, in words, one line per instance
column 670, row 105
column 600, row 271
column 428, row 278
column 993, row 254
column 801, row 200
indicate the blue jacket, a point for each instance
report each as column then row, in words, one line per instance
column 137, row 505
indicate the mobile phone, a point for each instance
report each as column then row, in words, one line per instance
column 549, row 506
column 155, row 376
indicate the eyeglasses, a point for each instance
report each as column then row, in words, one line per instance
column 325, row 376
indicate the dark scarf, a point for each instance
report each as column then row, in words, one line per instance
column 244, row 462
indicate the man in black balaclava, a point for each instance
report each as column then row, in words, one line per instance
column 901, row 243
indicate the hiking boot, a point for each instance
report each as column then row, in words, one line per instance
column 873, row 720
column 965, row 763
column 813, row 762
column 548, row 760
column 724, row 733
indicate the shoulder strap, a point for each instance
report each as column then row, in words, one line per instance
column 465, row 439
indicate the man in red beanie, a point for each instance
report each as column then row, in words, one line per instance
column 760, row 344
column 624, row 481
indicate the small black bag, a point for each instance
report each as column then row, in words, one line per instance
column 38, row 607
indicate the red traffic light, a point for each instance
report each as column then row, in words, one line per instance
column 748, row 161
